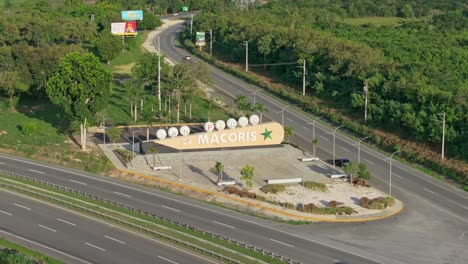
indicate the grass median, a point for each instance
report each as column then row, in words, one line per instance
column 205, row 240
column 22, row 254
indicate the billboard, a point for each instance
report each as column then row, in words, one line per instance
column 265, row 134
column 200, row 39
column 132, row 15
column 124, row 29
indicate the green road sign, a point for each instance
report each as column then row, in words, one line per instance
column 184, row 8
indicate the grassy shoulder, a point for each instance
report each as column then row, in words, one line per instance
column 22, row 254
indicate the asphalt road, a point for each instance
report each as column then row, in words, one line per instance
column 79, row 239
column 432, row 230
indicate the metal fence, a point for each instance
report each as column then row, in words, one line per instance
column 140, row 211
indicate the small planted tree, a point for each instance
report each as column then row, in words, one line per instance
column 218, row 168
column 248, row 173
column 363, row 173
column 314, row 143
column 153, row 150
column 288, row 132
column 259, row 107
column 352, row 169
column 113, row 133
column 242, row 104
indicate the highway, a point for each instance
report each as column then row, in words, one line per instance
column 75, row 238
column 431, row 230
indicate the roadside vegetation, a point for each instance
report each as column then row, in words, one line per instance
column 12, row 253
column 346, row 48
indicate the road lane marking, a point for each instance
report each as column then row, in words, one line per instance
column 168, row 260
column 324, row 138
column 3, row 212
column 66, row 222
column 170, row 208
column 123, row 194
column 219, row 223
column 48, row 228
column 430, row 191
column 306, row 127
column 286, row 244
column 462, row 235
column 345, row 149
column 40, row 172
column 22, row 206
column 46, row 247
column 91, row 245
column 398, row 176
column 82, row 183
column 116, row 240
column 369, row 161
column 2, row 163
column 290, row 119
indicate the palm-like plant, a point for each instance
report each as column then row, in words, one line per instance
column 242, row 104
column 218, row 168
column 261, row 108
column 288, row 132
column 153, row 150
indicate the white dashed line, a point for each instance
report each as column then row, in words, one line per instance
column 82, row 183
column 398, row 176
column 168, row 260
column 170, row 208
column 306, row 127
column 36, row 171
column 324, row 138
column 66, row 222
column 91, row 245
column 2, row 163
column 345, row 149
column 126, row 195
column 430, row 191
column 369, row 161
column 116, row 240
column 219, row 223
column 286, row 244
column 462, row 235
column 48, row 228
column 3, row 212
column 22, row 206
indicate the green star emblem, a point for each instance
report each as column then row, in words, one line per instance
column 266, row 134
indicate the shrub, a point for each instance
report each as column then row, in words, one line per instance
column 388, row 201
column 273, row 188
column 125, row 155
column 308, row 208
column 332, row 204
column 113, row 133
column 364, row 201
column 465, row 188
column 261, row 198
column 316, row 186
column 230, row 189
column 335, row 211
column 288, row 205
column 29, row 128
column 377, row 203
column 360, row 182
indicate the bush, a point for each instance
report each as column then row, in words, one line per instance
column 29, row 128
column 360, row 182
column 388, row 201
column 273, row 188
column 113, row 133
column 125, row 155
column 335, row 211
column 465, row 188
column 316, row 186
column 377, row 203
column 230, row 189
column 364, row 201
column 288, row 205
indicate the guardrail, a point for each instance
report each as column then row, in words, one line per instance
column 161, row 218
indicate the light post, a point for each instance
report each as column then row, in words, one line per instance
column 313, row 132
column 133, row 145
column 255, row 95
column 304, row 78
column 334, row 133
column 390, row 186
column 359, row 149
column 104, row 124
column 246, row 56
column 282, row 114
column 159, row 75
column 180, row 159
column 443, row 132
column 191, row 24
column 211, row 42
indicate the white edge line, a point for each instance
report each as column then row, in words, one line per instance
column 430, row 191
column 46, row 247
column 219, row 223
column 324, row 137
column 398, row 176
column 168, row 260
column 116, row 240
column 66, row 222
column 462, row 235
column 94, row 246
column 345, row 149
column 111, row 225
column 2, row 163
column 170, row 208
column 7, row 213
column 82, row 183
column 22, row 206
column 36, row 171
column 123, row 194
column 48, row 228
column 369, row 161
column 286, row 244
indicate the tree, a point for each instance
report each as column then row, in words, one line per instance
column 242, row 104
column 147, row 116
column 351, row 168
column 259, row 107
column 248, row 173
column 113, row 133
column 108, row 46
column 407, row 11
column 11, row 84
column 218, row 168
column 181, row 79
column 363, row 173
column 314, row 143
column 288, row 132
column 153, row 150
column 81, row 86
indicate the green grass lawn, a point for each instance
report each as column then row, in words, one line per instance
column 123, row 63
column 377, row 21
column 25, row 252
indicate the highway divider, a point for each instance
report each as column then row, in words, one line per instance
column 217, row 246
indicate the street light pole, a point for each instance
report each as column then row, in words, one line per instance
column 334, row 133
column 282, row 115
column 304, row 78
column 359, row 148
column 313, row 132
column 254, row 96
column 366, row 89
column 246, row 56
column 211, row 42
column 133, row 146
column 191, row 24
column 159, row 75
column 390, row 187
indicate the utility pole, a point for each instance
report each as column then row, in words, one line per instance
column 159, row 75
column 334, row 133
column 304, row 78
column 366, row 89
column 211, row 42
column 443, row 133
column 191, row 24
column 246, row 56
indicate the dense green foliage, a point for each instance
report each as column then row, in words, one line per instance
column 414, row 70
